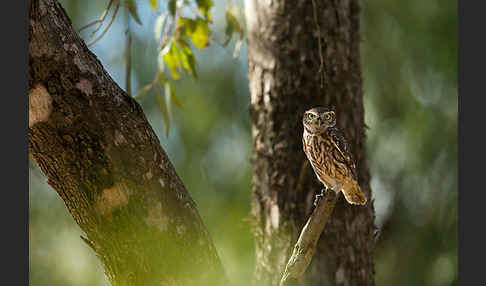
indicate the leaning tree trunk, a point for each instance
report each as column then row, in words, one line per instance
column 304, row 54
column 100, row 154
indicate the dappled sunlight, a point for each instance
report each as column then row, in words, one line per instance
column 409, row 73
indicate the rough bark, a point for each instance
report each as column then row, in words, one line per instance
column 100, row 154
column 286, row 78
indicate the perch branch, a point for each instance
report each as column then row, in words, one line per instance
column 307, row 242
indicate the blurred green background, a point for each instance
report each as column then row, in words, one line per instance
column 409, row 64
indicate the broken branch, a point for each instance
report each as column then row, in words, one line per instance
column 306, row 244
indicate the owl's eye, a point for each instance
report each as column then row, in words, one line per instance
column 327, row 116
column 310, row 115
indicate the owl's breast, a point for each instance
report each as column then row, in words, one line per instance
column 318, row 150
column 314, row 149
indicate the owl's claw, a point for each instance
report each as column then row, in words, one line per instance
column 320, row 195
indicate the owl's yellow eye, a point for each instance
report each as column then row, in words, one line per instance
column 327, row 116
column 310, row 115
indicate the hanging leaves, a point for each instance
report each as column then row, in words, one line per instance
column 172, row 7
column 197, row 30
column 205, row 7
column 171, row 94
column 188, row 59
column 178, row 56
column 162, row 104
column 159, row 24
column 153, row 4
column 232, row 26
column 171, row 56
column 132, row 8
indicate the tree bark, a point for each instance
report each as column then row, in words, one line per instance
column 100, row 154
column 304, row 54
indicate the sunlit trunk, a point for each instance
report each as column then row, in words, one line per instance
column 95, row 146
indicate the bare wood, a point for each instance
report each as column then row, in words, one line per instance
column 306, row 244
column 99, row 153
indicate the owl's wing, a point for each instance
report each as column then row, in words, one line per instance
column 303, row 145
column 342, row 149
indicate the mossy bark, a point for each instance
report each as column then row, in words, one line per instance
column 95, row 146
column 304, row 54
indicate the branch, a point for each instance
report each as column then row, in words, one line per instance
column 307, row 242
column 166, row 31
column 128, row 54
column 107, row 27
column 97, row 21
column 321, row 58
column 94, row 144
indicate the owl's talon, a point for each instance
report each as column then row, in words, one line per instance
column 319, row 196
column 316, row 200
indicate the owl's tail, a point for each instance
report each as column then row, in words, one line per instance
column 353, row 193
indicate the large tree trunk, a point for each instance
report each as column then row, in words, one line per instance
column 100, row 154
column 291, row 71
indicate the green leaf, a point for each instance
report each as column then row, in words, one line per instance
column 232, row 26
column 132, row 8
column 160, row 62
column 204, row 7
column 162, row 104
column 153, row 4
column 171, row 94
column 172, row 59
column 178, row 55
column 143, row 91
column 172, row 7
column 159, row 23
column 161, row 76
column 188, row 59
column 237, row 48
column 167, row 91
column 197, row 30
column 228, row 32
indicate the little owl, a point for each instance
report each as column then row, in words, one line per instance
column 329, row 154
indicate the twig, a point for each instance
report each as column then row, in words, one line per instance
column 307, row 242
column 99, row 21
column 165, row 35
column 89, row 243
column 107, row 27
column 128, row 54
column 319, row 42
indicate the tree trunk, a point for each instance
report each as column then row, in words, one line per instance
column 100, row 154
column 304, row 54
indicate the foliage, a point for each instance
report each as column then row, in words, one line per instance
column 409, row 62
column 175, row 50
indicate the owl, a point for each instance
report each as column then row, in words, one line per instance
column 327, row 151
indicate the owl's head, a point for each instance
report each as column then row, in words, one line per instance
column 318, row 119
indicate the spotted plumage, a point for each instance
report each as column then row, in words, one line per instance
column 329, row 155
